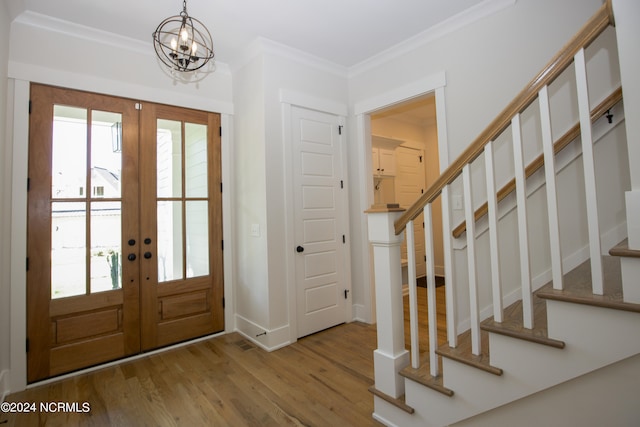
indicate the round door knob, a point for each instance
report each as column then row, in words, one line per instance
column 131, row 242
column 147, row 255
column 299, row 249
column 147, row 241
column 131, row 257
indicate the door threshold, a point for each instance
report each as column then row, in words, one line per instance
column 123, row 360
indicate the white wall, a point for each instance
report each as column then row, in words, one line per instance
column 251, row 285
column 5, row 200
column 265, row 293
column 82, row 58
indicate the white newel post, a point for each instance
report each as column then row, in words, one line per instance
column 627, row 15
column 391, row 355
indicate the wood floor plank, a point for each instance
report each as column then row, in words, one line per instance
column 321, row 380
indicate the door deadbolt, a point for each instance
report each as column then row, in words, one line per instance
column 299, row 249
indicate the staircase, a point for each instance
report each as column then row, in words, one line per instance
column 555, row 338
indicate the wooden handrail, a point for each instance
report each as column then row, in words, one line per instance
column 538, row 162
column 587, row 34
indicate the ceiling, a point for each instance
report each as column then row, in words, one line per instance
column 420, row 111
column 344, row 32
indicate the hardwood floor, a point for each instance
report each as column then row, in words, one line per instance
column 323, row 379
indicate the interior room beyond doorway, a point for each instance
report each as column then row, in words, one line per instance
column 404, row 141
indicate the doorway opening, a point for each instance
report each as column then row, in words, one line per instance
column 405, row 163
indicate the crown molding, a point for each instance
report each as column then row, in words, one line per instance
column 83, row 32
column 463, row 19
column 262, row 45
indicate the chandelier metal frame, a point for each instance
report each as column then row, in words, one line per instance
column 183, row 43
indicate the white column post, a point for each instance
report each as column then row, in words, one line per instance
column 627, row 15
column 391, row 356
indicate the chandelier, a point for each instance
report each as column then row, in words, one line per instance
column 183, row 43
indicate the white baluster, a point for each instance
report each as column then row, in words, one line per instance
column 589, row 173
column 523, row 237
column 550, row 178
column 431, row 290
column 471, row 260
column 492, row 205
column 413, row 296
column 452, row 307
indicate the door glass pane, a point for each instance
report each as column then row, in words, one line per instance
column 106, row 247
column 69, row 152
column 106, row 154
column 197, row 225
column 169, row 158
column 68, row 249
column 195, row 160
column 169, row 241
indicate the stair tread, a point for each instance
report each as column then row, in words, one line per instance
column 397, row 402
column 463, row 352
column 622, row 250
column 422, row 375
column 577, row 287
column 512, row 324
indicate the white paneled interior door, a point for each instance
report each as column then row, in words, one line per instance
column 320, row 221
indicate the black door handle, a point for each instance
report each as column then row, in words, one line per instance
column 147, row 255
column 131, row 257
column 299, row 249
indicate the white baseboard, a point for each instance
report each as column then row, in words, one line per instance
column 4, row 384
column 361, row 314
column 267, row 339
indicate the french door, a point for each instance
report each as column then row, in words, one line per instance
column 124, row 229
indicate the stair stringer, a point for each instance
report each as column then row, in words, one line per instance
column 595, row 337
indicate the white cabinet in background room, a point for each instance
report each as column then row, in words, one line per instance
column 384, row 162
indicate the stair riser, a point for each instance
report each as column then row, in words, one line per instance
column 630, row 279
column 594, row 336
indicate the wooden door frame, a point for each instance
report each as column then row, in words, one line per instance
column 18, row 134
column 288, row 100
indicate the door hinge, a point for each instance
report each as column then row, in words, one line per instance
column 221, row 187
column 422, row 191
column 138, row 105
column 425, row 258
column 30, row 105
column 220, row 130
column 27, row 263
column 27, row 345
column 420, row 159
column 346, row 293
column 222, row 244
column 344, row 239
column 223, row 303
column 340, row 130
column 28, row 184
column 341, row 184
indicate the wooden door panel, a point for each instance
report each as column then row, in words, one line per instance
column 78, row 316
column 82, row 354
column 183, row 307
column 94, row 325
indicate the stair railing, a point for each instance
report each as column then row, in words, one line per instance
column 536, row 89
